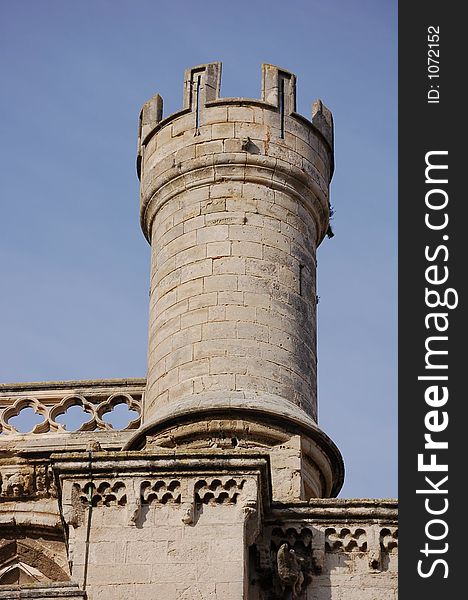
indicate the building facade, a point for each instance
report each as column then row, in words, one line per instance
column 223, row 486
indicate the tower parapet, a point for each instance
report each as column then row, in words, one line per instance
column 234, row 202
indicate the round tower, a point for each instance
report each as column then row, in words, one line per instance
column 234, row 202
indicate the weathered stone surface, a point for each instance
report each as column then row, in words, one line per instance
column 206, row 520
column 50, row 591
column 221, row 485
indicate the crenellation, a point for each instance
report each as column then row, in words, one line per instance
column 208, row 78
column 150, row 116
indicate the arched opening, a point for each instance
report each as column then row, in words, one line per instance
column 26, row 562
column 19, row 573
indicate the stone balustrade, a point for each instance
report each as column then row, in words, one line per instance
column 75, row 412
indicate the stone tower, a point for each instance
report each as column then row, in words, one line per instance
column 234, row 202
column 222, row 486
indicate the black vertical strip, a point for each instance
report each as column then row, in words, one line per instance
column 432, row 299
column 88, row 520
column 281, row 104
column 197, row 105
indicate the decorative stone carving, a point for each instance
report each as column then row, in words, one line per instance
column 188, row 515
column 318, row 550
column 252, row 524
column 78, row 495
column 289, row 567
column 134, row 501
column 50, row 410
column 284, row 560
column 135, row 493
column 72, row 506
column 102, row 493
column 41, row 479
column 218, row 490
column 374, row 549
column 287, row 557
column 160, row 491
column 389, row 538
column 22, row 481
column 346, row 539
column 17, row 485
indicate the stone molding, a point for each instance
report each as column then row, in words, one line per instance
column 50, row 591
column 278, row 413
column 186, row 480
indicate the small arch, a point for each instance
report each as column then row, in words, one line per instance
column 27, row 558
column 19, row 573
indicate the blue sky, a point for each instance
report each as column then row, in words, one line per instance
column 74, row 263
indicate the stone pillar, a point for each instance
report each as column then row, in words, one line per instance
column 234, row 202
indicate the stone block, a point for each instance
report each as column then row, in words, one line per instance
column 247, row 249
column 243, row 114
column 245, row 233
column 231, row 364
column 220, row 283
column 222, row 130
column 207, row 148
column 190, row 255
column 212, row 331
column 193, row 369
column 218, row 249
column 189, row 289
column 193, row 223
column 230, row 297
column 203, row 300
column 194, row 270
column 216, row 204
column 229, row 265
column 214, row 233
column 240, row 313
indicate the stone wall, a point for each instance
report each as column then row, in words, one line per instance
column 184, row 523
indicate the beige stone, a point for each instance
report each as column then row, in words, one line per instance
column 221, row 471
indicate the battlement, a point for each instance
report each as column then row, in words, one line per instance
column 202, row 91
column 213, row 139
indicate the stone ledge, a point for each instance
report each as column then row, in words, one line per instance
column 264, row 408
column 21, row 387
column 333, row 510
column 50, row 591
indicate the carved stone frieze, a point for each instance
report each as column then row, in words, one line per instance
column 349, row 539
column 223, row 490
column 160, row 491
column 287, row 557
column 188, row 493
column 373, row 540
column 18, row 481
column 389, row 538
column 102, row 492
